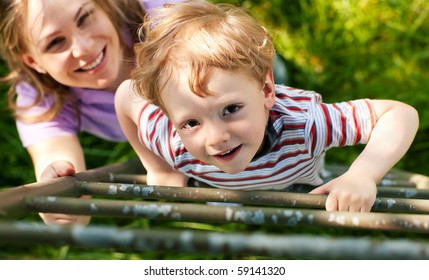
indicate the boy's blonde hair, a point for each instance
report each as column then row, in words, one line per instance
column 198, row 36
column 126, row 16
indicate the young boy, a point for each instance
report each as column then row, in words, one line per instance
column 203, row 104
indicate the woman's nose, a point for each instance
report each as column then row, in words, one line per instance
column 81, row 46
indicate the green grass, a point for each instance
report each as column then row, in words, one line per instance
column 343, row 49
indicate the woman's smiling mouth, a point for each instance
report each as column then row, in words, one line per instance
column 93, row 64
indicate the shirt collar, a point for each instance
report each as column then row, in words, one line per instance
column 270, row 138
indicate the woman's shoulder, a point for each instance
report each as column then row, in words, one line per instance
column 27, row 94
column 150, row 4
column 26, row 90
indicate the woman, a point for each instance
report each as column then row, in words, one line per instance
column 66, row 59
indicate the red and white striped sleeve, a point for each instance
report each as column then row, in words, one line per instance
column 340, row 124
column 155, row 132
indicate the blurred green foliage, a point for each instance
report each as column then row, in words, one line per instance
column 348, row 49
column 343, row 49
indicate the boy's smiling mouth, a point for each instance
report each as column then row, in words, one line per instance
column 229, row 154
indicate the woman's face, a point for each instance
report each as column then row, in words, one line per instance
column 75, row 43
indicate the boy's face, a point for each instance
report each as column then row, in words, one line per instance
column 225, row 129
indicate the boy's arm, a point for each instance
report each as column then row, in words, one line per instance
column 128, row 106
column 391, row 137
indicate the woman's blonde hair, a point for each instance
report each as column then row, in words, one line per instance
column 126, row 16
column 199, row 36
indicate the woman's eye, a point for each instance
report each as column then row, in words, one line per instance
column 190, row 124
column 54, row 43
column 231, row 109
column 81, row 20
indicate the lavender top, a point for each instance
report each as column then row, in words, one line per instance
column 97, row 116
column 149, row 4
column 97, row 110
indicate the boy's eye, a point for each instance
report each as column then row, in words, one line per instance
column 190, row 124
column 231, row 109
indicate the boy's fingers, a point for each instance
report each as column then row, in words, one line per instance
column 320, row 190
column 331, row 203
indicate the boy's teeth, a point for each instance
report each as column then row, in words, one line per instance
column 95, row 63
column 226, row 153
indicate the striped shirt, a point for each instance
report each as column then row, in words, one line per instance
column 303, row 127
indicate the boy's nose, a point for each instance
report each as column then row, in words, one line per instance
column 217, row 134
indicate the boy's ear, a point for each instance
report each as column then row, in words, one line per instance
column 30, row 62
column 269, row 90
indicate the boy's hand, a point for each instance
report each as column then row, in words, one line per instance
column 55, row 170
column 349, row 193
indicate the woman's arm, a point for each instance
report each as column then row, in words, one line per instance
column 58, row 157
